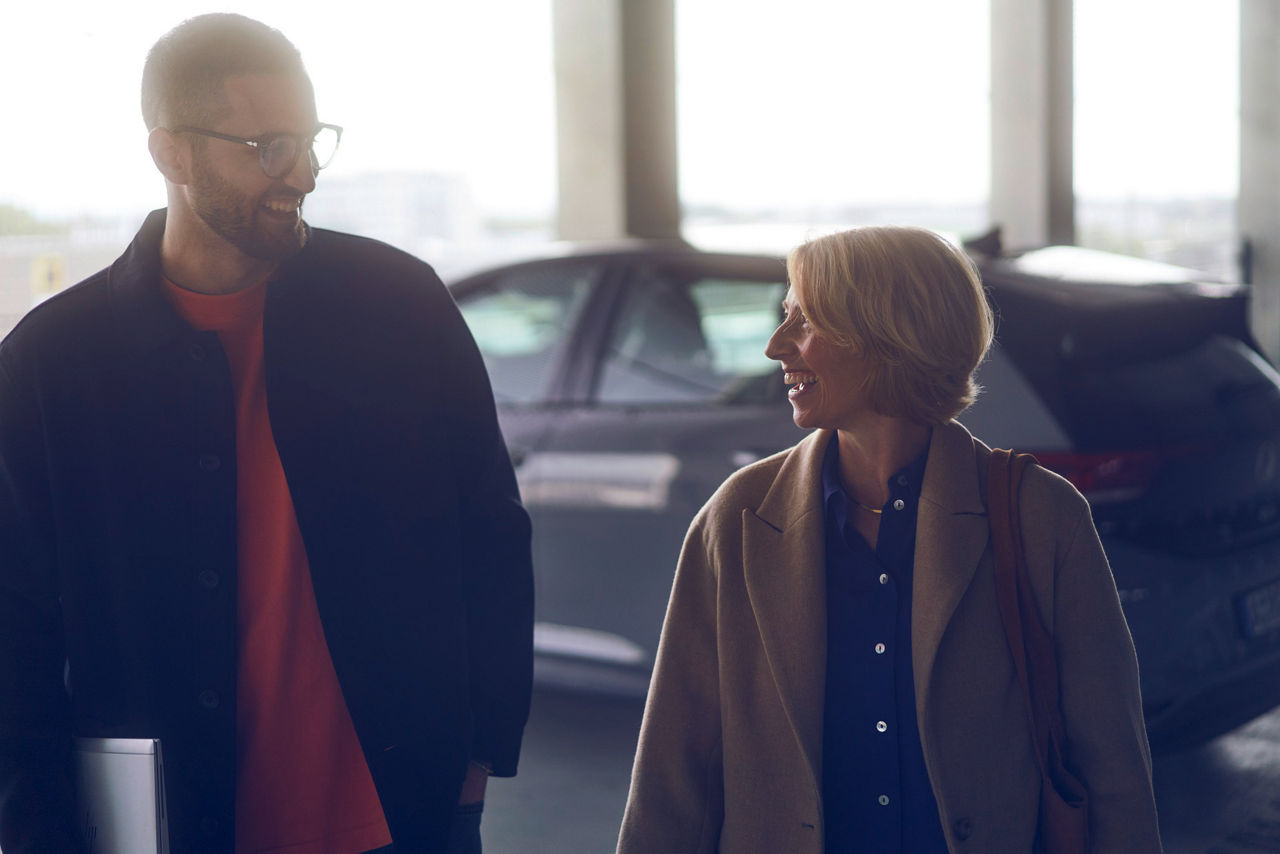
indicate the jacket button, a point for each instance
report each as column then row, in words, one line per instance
column 210, row 462
column 963, row 828
column 197, row 353
column 209, row 699
column 208, row 579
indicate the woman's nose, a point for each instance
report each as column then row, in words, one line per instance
column 777, row 344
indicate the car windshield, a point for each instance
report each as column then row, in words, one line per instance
column 1211, row 393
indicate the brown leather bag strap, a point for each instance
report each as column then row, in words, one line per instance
column 1064, row 815
column 1023, row 627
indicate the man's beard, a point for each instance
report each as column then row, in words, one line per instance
column 230, row 214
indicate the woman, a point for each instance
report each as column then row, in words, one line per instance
column 833, row 674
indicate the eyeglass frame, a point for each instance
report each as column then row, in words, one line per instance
column 263, row 142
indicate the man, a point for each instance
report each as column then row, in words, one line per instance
column 254, row 502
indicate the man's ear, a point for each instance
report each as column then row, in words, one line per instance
column 171, row 157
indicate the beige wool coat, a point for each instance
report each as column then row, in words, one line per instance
column 730, row 751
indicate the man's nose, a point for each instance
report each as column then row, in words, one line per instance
column 302, row 177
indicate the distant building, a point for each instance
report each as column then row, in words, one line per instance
column 35, row 267
column 416, row 211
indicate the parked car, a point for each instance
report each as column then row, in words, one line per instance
column 631, row 381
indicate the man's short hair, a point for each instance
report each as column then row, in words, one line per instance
column 907, row 300
column 182, row 80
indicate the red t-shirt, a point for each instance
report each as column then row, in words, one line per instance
column 303, row 786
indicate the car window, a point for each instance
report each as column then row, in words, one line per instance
column 1219, row 390
column 521, row 322
column 1008, row 413
column 683, row 340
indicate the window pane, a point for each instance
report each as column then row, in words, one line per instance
column 446, row 153
column 521, row 323
column 686, row 342
column 738, row 318
column 1157, row 99
column 814, row 114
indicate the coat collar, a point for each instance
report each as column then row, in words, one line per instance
column 138, row 301
column 784, row 566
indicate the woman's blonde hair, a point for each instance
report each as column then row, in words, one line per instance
column 907, row 300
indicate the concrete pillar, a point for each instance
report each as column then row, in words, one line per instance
column 1258, row 209
column 616, row 118
column 1032, row 121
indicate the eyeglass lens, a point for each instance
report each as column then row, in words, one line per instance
column 281, row 154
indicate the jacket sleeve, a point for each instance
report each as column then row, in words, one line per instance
column 1101, row 699
column 36, row 790
column 676, row 801
column 498, row 580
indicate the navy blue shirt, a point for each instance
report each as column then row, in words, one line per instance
column 875, row 789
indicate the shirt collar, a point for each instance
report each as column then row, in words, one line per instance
column 904, row 484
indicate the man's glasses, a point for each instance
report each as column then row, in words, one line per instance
column 278, row 152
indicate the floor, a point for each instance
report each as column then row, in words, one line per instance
column 1220, row 798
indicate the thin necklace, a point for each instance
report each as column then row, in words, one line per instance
column 878, row 512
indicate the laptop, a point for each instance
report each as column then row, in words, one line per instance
column 120, row 792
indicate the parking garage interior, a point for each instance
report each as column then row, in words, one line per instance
column 616, row 173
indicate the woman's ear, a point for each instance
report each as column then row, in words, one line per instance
column 171, row 157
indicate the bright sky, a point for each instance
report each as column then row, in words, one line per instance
column 804, row 103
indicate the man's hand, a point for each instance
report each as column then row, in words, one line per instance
column 474, row 783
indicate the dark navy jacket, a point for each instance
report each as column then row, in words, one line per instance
column 118, row 536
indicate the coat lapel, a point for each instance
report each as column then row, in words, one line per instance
column 951, row 536
column 784, row 565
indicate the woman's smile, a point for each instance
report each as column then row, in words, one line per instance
column 800, row 382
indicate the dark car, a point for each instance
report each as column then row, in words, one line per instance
column 631, row 381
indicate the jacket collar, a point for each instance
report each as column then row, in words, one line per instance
column 138, row 302
column 784, row 566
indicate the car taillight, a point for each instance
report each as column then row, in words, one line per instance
column 1109, row 477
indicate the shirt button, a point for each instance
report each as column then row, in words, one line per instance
column 902, row 480
column 879, row 649
column 208, row 579
column 881, row 726
column 210, row 462
column 899, row 504
column 884, row 579
column 884, row 800
column 197, row 353
column 209, row 699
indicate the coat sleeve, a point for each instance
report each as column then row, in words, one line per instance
column 36, row 794
column 1101, row 698
column 498, row 580
column 676, row 801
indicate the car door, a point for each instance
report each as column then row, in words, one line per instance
column 678, row 396
column 526, row 320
